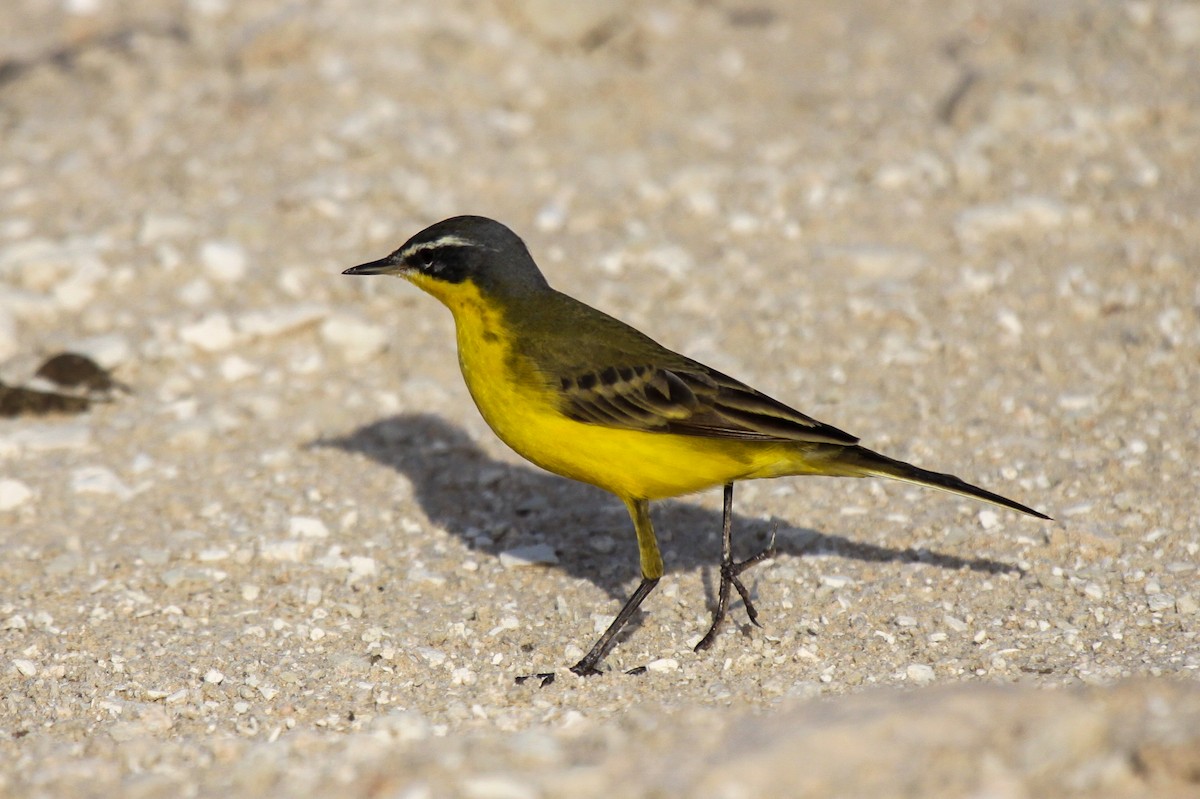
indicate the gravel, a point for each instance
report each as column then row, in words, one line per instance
column 291, row 559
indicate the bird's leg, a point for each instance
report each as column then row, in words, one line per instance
column 587, row 666
column 727, row 575
column 652, row 571
column 730, row 572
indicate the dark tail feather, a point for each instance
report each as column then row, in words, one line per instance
column 864, row 462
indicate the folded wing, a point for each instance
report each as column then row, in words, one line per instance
column 690, row 399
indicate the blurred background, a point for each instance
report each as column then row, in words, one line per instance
column 965, row 231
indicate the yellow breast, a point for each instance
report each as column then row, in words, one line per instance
column 521, row 405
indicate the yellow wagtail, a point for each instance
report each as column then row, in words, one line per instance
column 586, row 396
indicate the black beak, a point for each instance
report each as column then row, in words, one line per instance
column 384, row 266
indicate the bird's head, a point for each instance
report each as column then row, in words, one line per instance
column 452, row 257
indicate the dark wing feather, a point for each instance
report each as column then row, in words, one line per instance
column 689, row 399
column 607, row 373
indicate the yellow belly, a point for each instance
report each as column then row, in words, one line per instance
column 519, row 405
column 640, row 465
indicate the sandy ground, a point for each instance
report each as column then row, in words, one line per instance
column 292, row 559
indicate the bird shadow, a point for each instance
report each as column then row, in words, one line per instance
column 495, row 506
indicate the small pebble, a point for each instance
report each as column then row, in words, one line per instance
column 213, row 677
column 234, row 368
column 14, row 622
column 27, row 668
column 1076, row 402
column 307, row 527
column 64, row 564
column 286, row 551
column 533, row 555
column 663, row 665
column 919, row 673
column 176, row 697
column 333, row 560
column 956, row 624
column 195, row 293
column 99, row 480
column 358, row 340
column 13, row 494
column 1020, row 215
column 497, row 786
column 551, row 217
column 156, row 227
column 19, row 259
column 879, row 263
column 362, row 567
column 192, row 578
column 1160, row 602
column 77, row 290
column 224, row 261
column 46, row 438
column 421, row 575
column 401, row 726
column 213, row 333
column 560, row 24
column 273, row 322
column 434, row 657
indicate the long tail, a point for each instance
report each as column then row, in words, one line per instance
column 863, row 462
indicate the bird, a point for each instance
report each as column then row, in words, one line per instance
column 586, row 396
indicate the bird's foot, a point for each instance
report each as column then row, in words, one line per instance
column 731, row 576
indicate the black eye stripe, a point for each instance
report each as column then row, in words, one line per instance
column 432, row 255
column 447, row 262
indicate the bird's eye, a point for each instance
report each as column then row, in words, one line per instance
column 428, row 263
